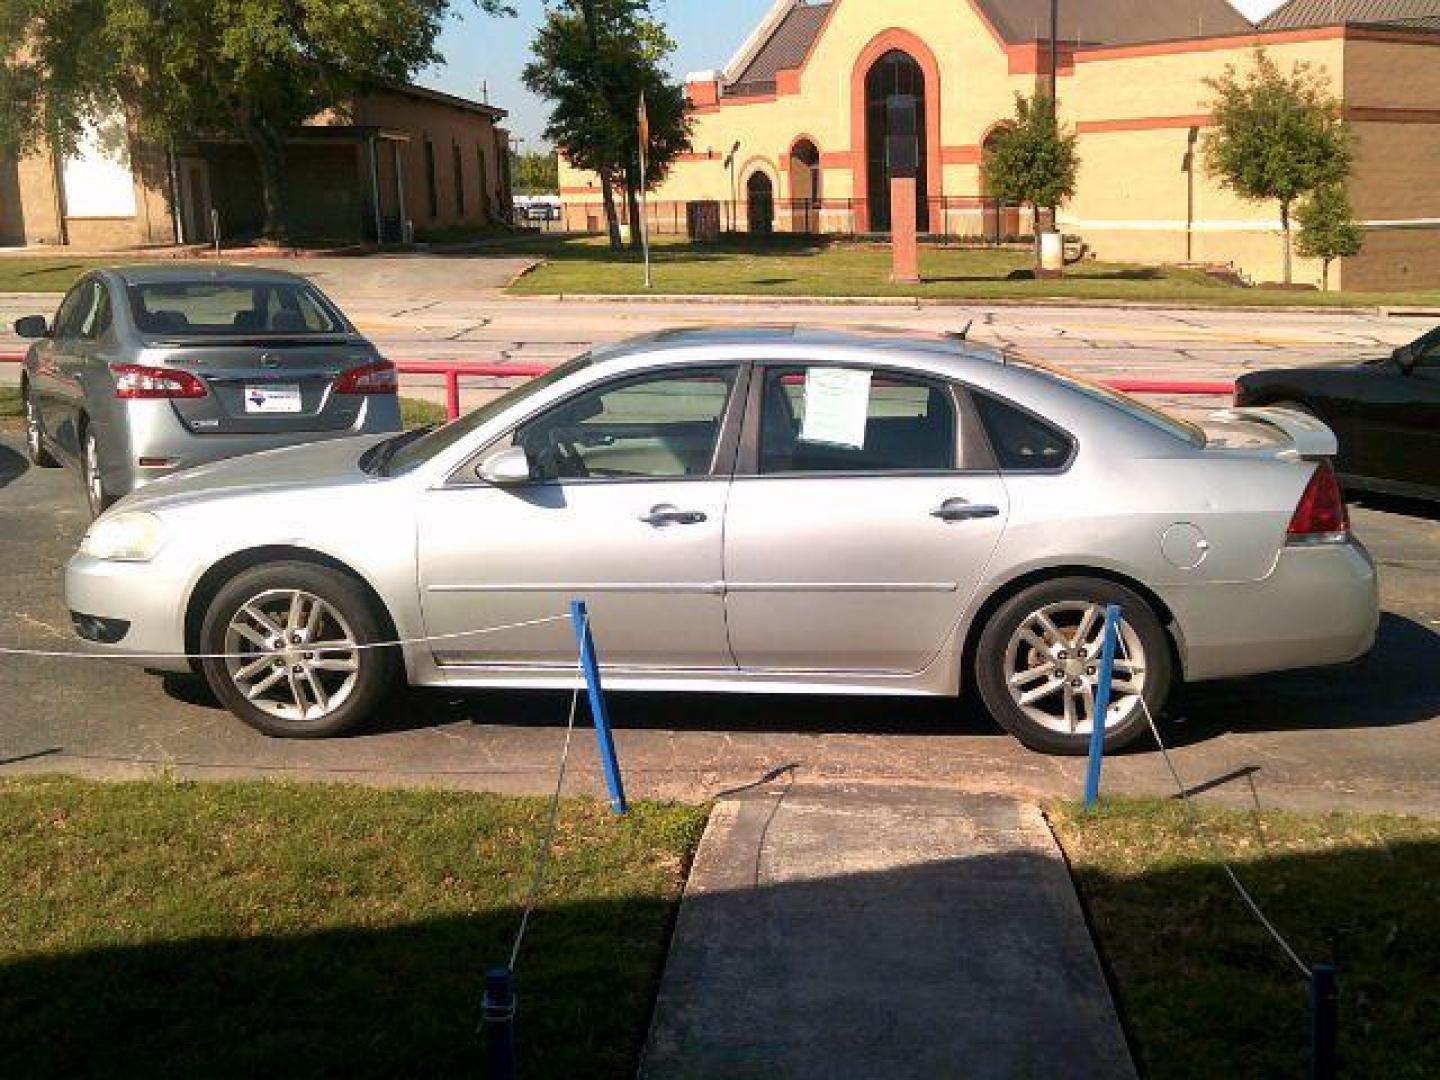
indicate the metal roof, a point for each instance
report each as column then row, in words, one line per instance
column 1095, row 22
column 1115, row 22
column 786, row 48
column 1409, row 14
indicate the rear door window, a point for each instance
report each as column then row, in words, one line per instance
column 855, row 420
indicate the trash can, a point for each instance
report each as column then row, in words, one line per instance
column 702, row 220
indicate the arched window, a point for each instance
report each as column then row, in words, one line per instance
column 805, row 187
column 894, row 73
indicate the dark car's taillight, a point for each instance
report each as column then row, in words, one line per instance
column 376, row 378
column 140, row 381
column 1321, row 516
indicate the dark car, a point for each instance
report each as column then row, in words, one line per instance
column 1385, row 412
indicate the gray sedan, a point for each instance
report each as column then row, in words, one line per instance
column 767, row 510
column 150, row 370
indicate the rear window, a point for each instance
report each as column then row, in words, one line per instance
column 232, row 309
column 1133, row 407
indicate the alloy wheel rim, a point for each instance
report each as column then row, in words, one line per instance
column 32, row 427
column 94, row 486
column 292, row 655
column 1052, row 666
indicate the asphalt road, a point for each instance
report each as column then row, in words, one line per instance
column 1364, row 736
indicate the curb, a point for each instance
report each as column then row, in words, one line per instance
column 714, row 299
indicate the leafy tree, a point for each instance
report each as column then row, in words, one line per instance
column 247, row 69
column 536, row 173
column 1277, row 137
column 592, row 60
column 1328, row 229
column 1032, row 160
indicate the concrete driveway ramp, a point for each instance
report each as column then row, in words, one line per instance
column 866, row 931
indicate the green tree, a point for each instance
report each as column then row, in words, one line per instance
column 536, row 173
column 1328, row 229
column 592, row 60
column 1032, row 160
column 245, row 69
column 1277, row 137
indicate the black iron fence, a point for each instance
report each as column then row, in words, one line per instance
column 970, row 218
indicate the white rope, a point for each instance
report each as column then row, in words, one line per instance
column 1214, row 846
column 323, row 647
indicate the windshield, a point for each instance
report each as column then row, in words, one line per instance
column 415, row 454
column 1156, row 418
column 232, row 309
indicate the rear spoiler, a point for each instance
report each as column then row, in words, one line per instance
column 1309, row 437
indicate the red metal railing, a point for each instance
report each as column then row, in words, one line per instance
column 452, row 371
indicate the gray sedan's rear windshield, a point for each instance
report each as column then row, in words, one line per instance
column 231, row 309
column 1134, row 407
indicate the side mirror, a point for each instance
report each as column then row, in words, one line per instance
column 31, row 326
column 1404, row 356
column 507, row 468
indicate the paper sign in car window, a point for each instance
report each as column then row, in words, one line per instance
column 837, row 403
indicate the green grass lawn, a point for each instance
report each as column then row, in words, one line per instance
column 10, row 404
column 798, row 266
column 258, row 929
column 34, row 273
column 414, row 412
column 1205, row 992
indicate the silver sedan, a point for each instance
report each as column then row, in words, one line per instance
column 769, row 510
column 147, row 370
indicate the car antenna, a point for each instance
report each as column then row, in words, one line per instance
column 963, row 335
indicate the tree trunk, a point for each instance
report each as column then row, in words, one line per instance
column 268, row 146
column 1325, row 275
column 612, row 218
column 1035, row 232
column 1285, row 225
column 632, row 200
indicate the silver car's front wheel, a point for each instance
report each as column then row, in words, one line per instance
column 290, row 648
column 35, row 436
column 1037, row 664
column 292, row 655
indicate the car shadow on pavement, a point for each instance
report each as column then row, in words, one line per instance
column 1396, row 504
column 12, row 465
column 1394, row 684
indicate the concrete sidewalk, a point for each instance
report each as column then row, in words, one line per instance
column 839, row 931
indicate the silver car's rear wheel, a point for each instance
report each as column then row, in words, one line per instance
column 1037, row 664
column 292, row 654
column 291, row 649
column 1052, row 667
column 95, row 493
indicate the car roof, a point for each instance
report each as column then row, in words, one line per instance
column 790, row 337
column 176, row 272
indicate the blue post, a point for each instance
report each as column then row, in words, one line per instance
column 1102, row 705
column 580, row 617
column 497, row 1020
column 1324, row 1022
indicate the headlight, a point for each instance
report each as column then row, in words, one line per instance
column 130, row 537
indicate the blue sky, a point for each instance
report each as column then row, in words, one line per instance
column 478, row 48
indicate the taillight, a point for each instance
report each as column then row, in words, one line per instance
column 376, row 378
column 140, row 381
column 1321, row 516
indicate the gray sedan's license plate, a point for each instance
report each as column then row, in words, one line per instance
column 273, row 398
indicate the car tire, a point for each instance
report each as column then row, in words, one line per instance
column 312, row 694
column 96, row 494
column 1007, row 656
column 35, row 450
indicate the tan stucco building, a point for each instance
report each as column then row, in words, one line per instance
column 801, row 107
column 369, row 170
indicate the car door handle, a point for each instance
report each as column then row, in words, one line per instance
column 665, row 514
column 963, row 510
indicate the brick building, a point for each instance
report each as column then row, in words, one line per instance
column 359, row 172
column 790, row 135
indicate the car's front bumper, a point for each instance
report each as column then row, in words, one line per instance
column 1319, row 605
column 140, row 595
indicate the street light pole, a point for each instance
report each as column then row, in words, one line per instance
column 1054, row 54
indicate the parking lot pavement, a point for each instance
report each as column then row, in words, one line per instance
column 1364, row 736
